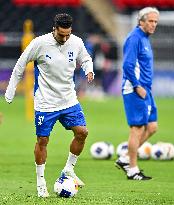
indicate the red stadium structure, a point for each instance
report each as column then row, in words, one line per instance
column 135, row 4
column 48, row 2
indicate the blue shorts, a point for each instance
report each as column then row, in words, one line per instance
column 140, row 111
column 70, row 117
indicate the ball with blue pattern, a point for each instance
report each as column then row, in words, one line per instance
column 66, row 187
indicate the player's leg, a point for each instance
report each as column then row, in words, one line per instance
column 40, row 153
column 134, row 173
column 40, row 150
column 44, row 123
column 134, row 109
column 130, row 159
column 76, row 147
column 137, row 117
column 150, row 129
column 130, row 166
column 152, row 126
column 138, row 135
column 149, row 117
column 78, row 142
column 75, row 121
column 135, row 135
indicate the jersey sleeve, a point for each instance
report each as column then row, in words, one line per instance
column 27, row 56
column 130, row 55
column 84, row 59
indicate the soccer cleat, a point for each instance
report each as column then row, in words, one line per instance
column 122, row 165
column 139, row 176
column 42, row 191
column 71, row 173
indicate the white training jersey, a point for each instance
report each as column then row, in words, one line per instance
column 54, row 70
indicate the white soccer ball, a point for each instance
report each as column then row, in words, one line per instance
column 169, row 148
column 122, row 149
column 159, row 152
column 170, row 154
column 66, row 187
column 144, row 152
column 102, row 150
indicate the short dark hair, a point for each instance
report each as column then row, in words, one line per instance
column 63, row 20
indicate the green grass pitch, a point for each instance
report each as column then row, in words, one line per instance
column 105, row 184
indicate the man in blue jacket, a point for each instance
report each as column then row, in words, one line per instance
column 140, row 108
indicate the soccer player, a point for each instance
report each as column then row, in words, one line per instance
column 139, row 104
column 55, row 56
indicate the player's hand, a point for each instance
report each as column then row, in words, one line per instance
column 141, row 91
column 8, row 100
column 90, row 77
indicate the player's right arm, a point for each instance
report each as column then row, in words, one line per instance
column 131, row 49
column 130, row 57
column 28, row 55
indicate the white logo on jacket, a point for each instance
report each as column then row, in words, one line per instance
column 70, row 55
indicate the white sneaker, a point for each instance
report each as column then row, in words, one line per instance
column 72, row 174
column 42, row 191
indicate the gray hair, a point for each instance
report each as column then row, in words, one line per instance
column 142, row 15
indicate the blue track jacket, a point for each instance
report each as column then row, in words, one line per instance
column 137, row 61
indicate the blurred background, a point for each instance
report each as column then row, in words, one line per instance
column 103, row 25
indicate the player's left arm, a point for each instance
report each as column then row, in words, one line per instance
column 85, row 60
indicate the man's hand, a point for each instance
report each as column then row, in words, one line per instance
column 8, row 100
column 90, row 77
column 141, row 91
